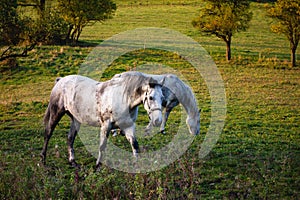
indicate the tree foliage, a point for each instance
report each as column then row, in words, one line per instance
column 10, row 24
column 54, row 22
column 223, row 18
column 287, row 15
column 80, row 13
column 14, row 30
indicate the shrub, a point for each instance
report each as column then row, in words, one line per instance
column 49, row 29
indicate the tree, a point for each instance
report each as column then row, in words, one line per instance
column 19, row 34
column 47, row 26
column 287, row 15
column 223, row 18
column 12, row 26
column 10, row 23
column 80, row 13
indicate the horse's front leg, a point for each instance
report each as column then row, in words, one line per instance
column 130, row 135
column 164, row 120
column 104, row 133
column 148, row 129
column 169, row 107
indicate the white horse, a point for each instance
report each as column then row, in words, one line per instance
column 110, row 104
column 175, row 91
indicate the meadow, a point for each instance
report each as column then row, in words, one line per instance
column 256, row 157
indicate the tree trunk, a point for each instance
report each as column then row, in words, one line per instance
column 294, row 41
column 73, row 36
column 68, row 37
column 293, row 56
column 78, row 34
column 228, row 49
column 42, row 5
column 41, row 8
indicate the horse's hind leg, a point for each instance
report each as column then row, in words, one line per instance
column 52, row 117
column 75, row 125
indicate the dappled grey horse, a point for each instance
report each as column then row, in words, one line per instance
column 175, row 91
column 110, row 104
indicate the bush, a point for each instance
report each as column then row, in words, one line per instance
column 49, row 29
column 57, row 29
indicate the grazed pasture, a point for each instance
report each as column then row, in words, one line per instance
column 257, row 155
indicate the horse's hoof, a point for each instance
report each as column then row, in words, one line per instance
column 163, row 132
column 74, row 164
column 98, row 168
column 122, row 133
column 43, row 159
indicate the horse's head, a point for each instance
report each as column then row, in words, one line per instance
column 153, row 103
column 194, row 123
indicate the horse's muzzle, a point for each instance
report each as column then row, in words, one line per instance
column 156, row 117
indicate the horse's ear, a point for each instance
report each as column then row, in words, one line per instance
column 153, row 83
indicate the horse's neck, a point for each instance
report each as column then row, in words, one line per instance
column 190, row 107
column 186, row 98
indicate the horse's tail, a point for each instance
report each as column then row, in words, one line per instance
column 47, row 114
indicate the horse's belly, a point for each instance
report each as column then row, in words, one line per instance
column 85, row 114
column 88, row 119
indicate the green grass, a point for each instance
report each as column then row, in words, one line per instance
column 256, row 157
column 257, row 43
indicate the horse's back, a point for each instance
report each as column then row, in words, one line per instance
column 77, row 94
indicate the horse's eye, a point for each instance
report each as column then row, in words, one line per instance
column 151, row 98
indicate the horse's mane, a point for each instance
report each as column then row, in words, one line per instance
column 181, row 90
column 183, row 93
column 133, row 82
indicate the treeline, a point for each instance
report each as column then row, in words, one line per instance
column 29, row 22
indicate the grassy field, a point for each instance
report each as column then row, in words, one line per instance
column 257, row 155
